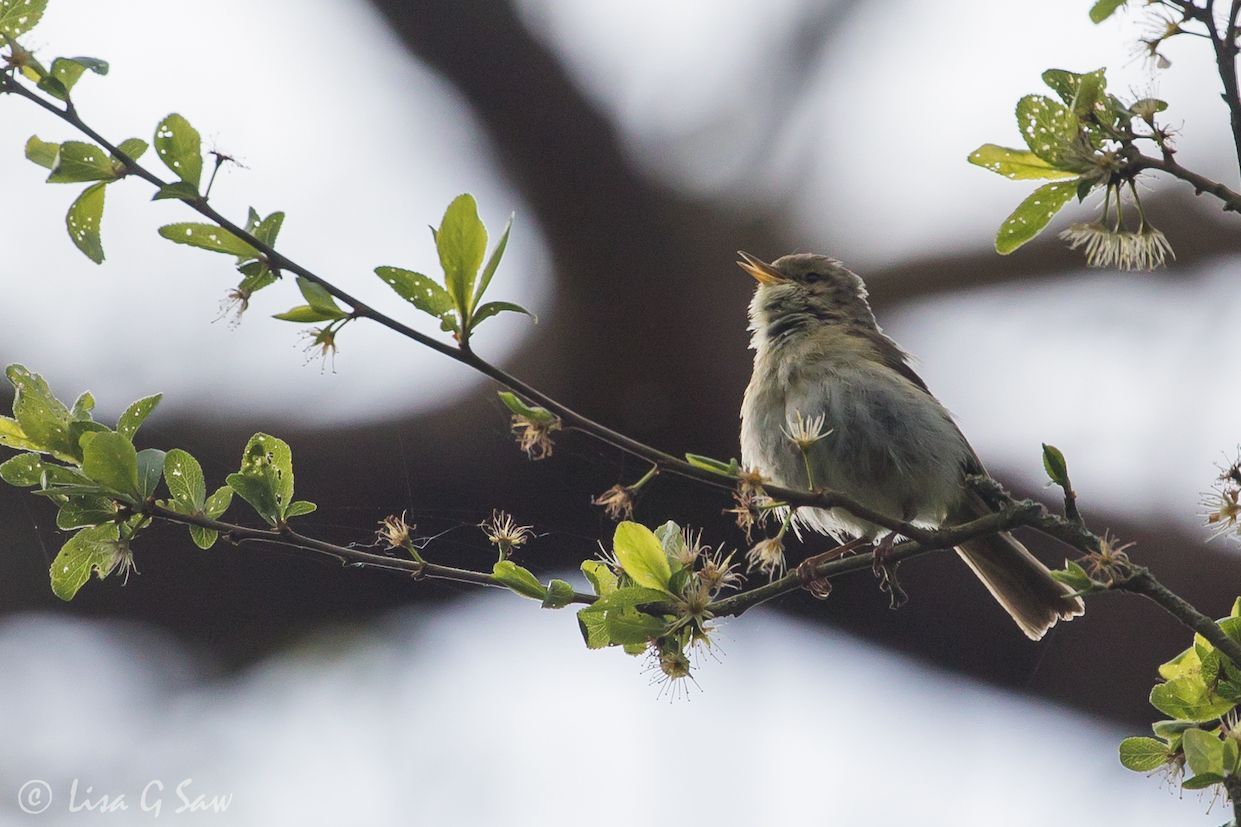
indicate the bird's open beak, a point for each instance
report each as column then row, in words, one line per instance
column 762, row 272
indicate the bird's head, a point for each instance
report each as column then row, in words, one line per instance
column 803, row 290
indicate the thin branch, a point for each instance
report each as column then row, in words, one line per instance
column 1201, row 184
column 348, row 556
column 1142, row 582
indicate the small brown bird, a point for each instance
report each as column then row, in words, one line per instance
column 892, row 447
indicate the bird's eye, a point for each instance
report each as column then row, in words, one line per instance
column 812, row 278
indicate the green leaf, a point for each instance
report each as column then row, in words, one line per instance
column 300, row 508
column 559, row 595
column 304, row 314
column 1143, row 754
column 320, row 299
column 67, row 70
column 493, row 262
column 641, row 556
column 1201, row 782
column 12, row 435
column 420, row 291
column 23, row 470
column 91, row 550
column 267, row 229
column 593, row 624
column 1103, row 9
column 79, row 162
column 600, row 576
column 1055, row 465
column 1032, row 215
column 266, row 477
column 43, row 418
column 520, row 580
column 131, row 418
column 1186, row 663
column 633, row 628
column 1074, row 576
column 1015, row 164
column 208, row 237
column 41, row 152
column 180, row 148
column 83, row 511
column 110, row 460
column 631, row 597
column 218, row 502
column 1049, row 129
column 132, row 148
column 184, row 477
column 82, row 407
column 216, row 505
column 534, row 413
column 178, row 190
column 150, row 469
column 1204, row 752
column 83, row 220
column 494, row 308
column 1236, row 608
column 1188, row 698
column 461, row 243
column 715, row 466
column 671, row 539
column 20, row 16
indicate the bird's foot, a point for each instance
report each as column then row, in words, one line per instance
column 821, row 587
column 884, row 568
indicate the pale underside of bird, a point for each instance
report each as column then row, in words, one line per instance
column 892, row 447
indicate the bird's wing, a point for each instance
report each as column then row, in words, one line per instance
column 893, row 357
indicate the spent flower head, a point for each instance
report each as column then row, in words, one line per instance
column 534, row 435
column 504, row 533
column 394, row 532
column 719, row 572
column 767, row 556
column 1110, row 562
column 617, row 502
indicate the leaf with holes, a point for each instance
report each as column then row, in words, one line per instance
column 179, row 146
column 131, row 418
column 83, row 220
column 78, row 162
column 96, row 550
column 208, row 237
column 184, row 478
column 1049, row 129
column 422, row 292
column 1015, row 164
column 1033, row 214
column 66, row 71
column 20, row 16
column 43, row 418
column 266, row 477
